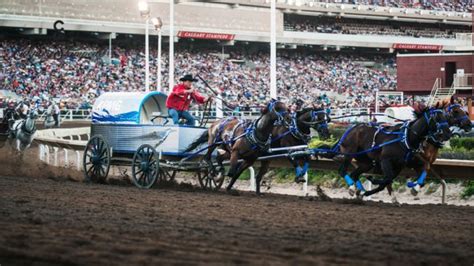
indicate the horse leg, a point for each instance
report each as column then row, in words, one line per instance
column 234, row 167
column 391, row 192
column 343, row 172
column 301, row 167
column 258, row 179
column 421, row 170
column 241, row 167
column 363, row 167
column 208, row 159
column 389, row 173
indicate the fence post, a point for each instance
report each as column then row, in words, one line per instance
column 55, row 156
column 253, row 185
column 41, row 150
column 66, row 161
column 78, row 160
column 47, row 153
column 443, row 191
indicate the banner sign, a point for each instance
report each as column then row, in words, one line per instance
column 408, row 46
column 206, row 35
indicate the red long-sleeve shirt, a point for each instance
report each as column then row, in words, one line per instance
column 179, row 99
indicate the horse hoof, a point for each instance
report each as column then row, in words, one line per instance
column 233, row 192
column 396, row 203
column 360, row 194
column 352, row 190
column 414, row 190
column 299, row 180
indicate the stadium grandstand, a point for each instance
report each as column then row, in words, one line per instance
column 336, row 52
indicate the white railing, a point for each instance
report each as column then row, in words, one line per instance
column 465, row 37
column 69, row 114
column 85, row 115
column 464, row 81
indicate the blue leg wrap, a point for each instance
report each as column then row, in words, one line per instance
column 420, row 181
column 359, row 186
column 301, row 171
column 349, row 180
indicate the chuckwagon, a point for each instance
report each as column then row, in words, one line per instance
column 133, row 128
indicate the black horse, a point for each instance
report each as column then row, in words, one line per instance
column 298, row 132
column 388, row 148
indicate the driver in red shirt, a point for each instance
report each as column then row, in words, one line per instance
column 181, row 97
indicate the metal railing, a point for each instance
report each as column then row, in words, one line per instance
column 85, row 114
column 69, row 114
column 464, row 81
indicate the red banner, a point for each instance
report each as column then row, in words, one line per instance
column 206, row 35
column 408, row 46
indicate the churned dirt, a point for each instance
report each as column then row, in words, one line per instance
column 48, row 221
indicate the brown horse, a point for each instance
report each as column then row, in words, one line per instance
column 389, row 148
column 242, row 140
column 422, row 162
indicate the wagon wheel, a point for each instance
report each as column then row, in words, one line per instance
column 145, row 166
column 96, row 160
column 211, row 180
column 166, row 175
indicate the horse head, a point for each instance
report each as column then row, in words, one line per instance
column 458, row 117
column 278, row 111
column 437, row 122
column 30, row 122
column 317, row 118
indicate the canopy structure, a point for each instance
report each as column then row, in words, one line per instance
column 128, row 107
column 399, row 112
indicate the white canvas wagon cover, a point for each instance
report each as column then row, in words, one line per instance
column 128, row 107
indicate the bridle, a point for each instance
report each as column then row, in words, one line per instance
column 280, row 114
column 461, row 119
column 440, row 125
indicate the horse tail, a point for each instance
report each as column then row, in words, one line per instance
column 202, row 139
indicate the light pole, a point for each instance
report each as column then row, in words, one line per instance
column 158, row 24
column 171, row 49
column 273, row 87
column 145, row 13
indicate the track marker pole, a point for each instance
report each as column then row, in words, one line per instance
column 253, row 184
column 305, row 185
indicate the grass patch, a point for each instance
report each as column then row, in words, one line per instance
column 468, row 190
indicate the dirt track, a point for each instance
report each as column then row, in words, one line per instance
column 53, row 221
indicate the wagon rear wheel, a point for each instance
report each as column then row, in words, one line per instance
column 145, row 166
column 211, row 180
column 96, row 160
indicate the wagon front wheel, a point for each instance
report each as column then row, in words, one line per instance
column 145, row 166
column 96, row 160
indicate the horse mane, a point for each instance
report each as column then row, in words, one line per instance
column 419, row 109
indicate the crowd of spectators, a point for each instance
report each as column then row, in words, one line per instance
column 78, row 72
column 371, row 27
column 438, row 5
